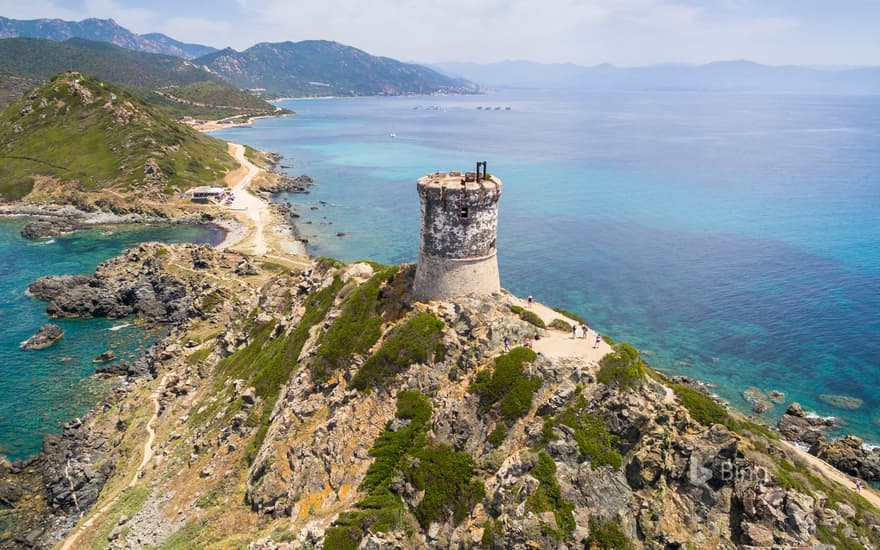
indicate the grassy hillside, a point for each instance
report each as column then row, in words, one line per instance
column 320, row 68
column 201, row 94
column 78, row 129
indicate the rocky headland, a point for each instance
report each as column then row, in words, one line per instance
column 322, row 406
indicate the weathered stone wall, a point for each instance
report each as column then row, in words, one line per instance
column 459, row 221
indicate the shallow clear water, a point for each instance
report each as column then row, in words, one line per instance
column 40, row 390
column 734, row 238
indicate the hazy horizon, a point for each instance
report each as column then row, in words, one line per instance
column 623, row 33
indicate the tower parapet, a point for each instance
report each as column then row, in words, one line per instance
column 459, row 221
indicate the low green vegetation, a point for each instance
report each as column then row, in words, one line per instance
column 507, row 385
column 198, row 356
column 492, row 530
column 357, row 328
column 607, row 535
column 559, row 324
column 528, row 316
column 570, row 315
column 623, row 368
column 417, row 340
column 595, row 442
column 548, row 498
column 445, row 476
column 498, row 435
column 703, row 408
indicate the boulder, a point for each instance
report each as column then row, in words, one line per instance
column 798, row 426
column 40, row 229
column 45, row 337
column 105, row 357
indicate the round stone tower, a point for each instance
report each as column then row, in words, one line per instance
column 459, row 214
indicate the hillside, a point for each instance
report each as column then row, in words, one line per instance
column 100, row 30
column 322, row 68
column 721, row 76
column 142, row 73
column 76, row 135
column 324, row 407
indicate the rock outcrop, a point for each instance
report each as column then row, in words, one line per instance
column 45, row 337
column 849, row 455
column 52, row 227
column 799, row 426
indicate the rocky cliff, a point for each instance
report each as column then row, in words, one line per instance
column 324, row 407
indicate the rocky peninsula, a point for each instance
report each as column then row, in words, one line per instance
column 319, row 404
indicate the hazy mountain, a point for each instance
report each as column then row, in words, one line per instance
column 745, row 76
column 321, row 68
column 186, row 88
column 100, row 30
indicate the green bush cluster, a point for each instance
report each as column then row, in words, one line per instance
column 528, row 316
column 507, row 385
column 498, row 435
column 703, row 408
column 595, row 441
column 607, row 535
column 559, row 324
column 571, row 315
column 623, row 368
column 446, row 477
column 415, row 341
column 356, row 329
column 548, row 497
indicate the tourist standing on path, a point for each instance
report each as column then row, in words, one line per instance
column 574, row 331
column 598, row 339
column 584, row 329
column 530, row 300
column 506, row 343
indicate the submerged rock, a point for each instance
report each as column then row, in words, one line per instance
column 45, row 337
column 845, row 402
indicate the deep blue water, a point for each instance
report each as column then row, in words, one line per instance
column 734, row 238
column 40, row 390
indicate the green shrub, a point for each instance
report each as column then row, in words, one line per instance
column 198, row 356
column 533, row 318
column 559, row 324
column 703, row 408
column 356, row 329
column 595, row 441
column 415, row 341
column 498, row 435
column 516, row 309
column 623, row 368
column 548, row 497
column 507, row 384
column 570, row 315
column 446, row 477
column 607, row 536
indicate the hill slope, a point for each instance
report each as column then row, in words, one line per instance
column 321, row 68
column 200, row 90
column 92, row 136
column 101, row 30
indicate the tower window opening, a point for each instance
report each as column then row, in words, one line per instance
column 463, row 213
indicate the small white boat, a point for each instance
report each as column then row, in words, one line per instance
column 393, row 135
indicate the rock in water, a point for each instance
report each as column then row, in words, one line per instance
column 799, row 426
column 849, row 455
column 841, row 401
column 48, row 228
column 45, row 337
column 105, row 357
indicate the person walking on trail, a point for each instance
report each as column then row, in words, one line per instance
column 530, row 300
column 506, row 343
column 574, row 331
column 584, row 329
column 598, row 339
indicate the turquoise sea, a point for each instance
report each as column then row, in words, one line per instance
column 733, row 238
column 41, row 390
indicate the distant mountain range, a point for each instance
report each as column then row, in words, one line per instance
column 732, row 76
column 322, row 68
column 100, row 30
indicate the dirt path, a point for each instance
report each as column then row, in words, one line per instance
column 560, row 344
column 830, row 472
column 70, row 542
column 250, row 209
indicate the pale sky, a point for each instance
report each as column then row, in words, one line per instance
column 585, row 32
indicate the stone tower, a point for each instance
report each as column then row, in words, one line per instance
column 459, row 215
